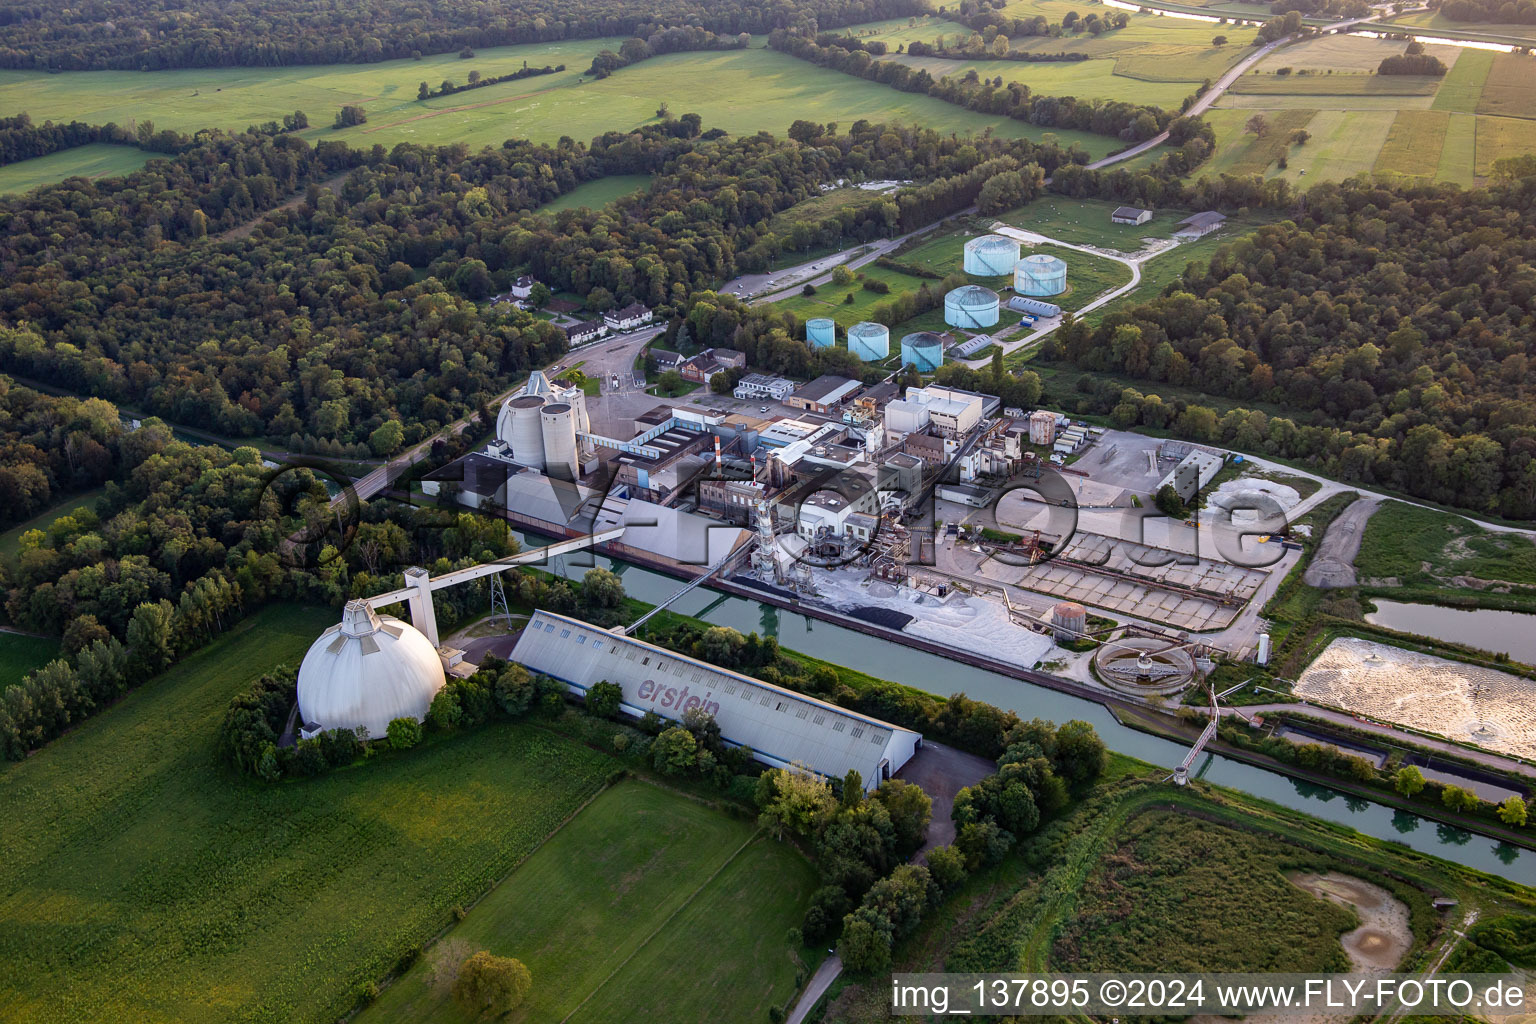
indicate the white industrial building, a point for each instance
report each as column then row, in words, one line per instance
column 757, row 385
column 366, row 672
column 952, row 412
column 781, row 726
column 540, row 426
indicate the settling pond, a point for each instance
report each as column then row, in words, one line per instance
column 890, row 660
column 1511, row 633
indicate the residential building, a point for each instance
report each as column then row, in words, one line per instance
column 585, row 332
column 628, row 318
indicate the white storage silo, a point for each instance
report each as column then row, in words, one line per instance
column 821, row 332
column 869, row 341
column 518, row 426
column 557, row 422
column 971, row 306
column 1039, row 274
column 990, row 255
column 923, row 351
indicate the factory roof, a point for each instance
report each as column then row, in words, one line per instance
column 828, row 389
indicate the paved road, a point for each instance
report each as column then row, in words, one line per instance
column 822, row 980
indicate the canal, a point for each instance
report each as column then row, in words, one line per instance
column 890, row 660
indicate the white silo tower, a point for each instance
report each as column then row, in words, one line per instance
column 518, row 426
column 557, row 423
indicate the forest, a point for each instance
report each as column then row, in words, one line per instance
column 362, row 303
column 1502, row 12
column 132, row 35
column 1393, row 326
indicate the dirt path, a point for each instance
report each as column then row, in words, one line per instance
column 1334, row 564
column 244, row 230
column 1383, row 938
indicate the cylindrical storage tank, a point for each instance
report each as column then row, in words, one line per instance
column 923, row 351
column 1069, row 620
column 869, row 341
column 1040, row 274
column 990, row 255
column 518, row 425
column 558, row 424
column 821, row 332
column 971, row 306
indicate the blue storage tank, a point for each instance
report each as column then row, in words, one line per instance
column 971, row 307
column 821, row 332
column 990, row 255
column 923, row 351
column 1040, row 274
column 871, row 342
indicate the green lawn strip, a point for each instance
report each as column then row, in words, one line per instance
column 1463, row 84
column 1458, row 152
column 20, row 654
column 10, row 540
column 142, row 880
column 97, row 160
column 1336, row 85
column 598, row 194
column 724, row 948
column 585, row 900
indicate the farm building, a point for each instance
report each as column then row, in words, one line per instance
column 1130, row 215
column 971, row 306
column 1200, row 225
column 1040, row 274
column 781, row 726
column 990, row 255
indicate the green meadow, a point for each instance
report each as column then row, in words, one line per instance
column 97, row 160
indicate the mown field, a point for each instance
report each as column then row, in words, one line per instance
column 606, row 913
column 21, row 654
column 1087, row 222
column 741, row 91
column 97, row 160
column 1341, row 54
column 141, row 880
column 599, row 193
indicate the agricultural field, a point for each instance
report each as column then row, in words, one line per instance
column 97, row 160
column 1346, row 54
column 1510, row 88
column 21, row 654
column 1344, row 143
column 141, row 880
column 598, row 194
column 741, row 91
column 1499, row 137
column 1239, row 151
column 1462, row 87
column 604, row 912
column 1408, row 542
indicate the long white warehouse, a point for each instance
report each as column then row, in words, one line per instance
column 781, row 726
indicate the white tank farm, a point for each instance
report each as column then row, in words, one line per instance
column 367, row 672
column 558, row 424
column 518, row 426
column 923, row 351
column 1039, row 274
column 869, row 341
column 990, row 255
column 971, row 307
column 821, row 332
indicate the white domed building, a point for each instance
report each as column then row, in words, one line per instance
column 365, row 673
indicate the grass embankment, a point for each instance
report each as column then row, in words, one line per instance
column 607, row 911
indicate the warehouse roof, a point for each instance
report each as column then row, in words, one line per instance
column 780, row 725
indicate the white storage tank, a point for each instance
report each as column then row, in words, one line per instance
column 1039, row 274
column 558, row 425
column 518, row 426
column 971, row 307
column 367, row 672
column 869, row 341
column 990, row 255
column 821, row 332
column 923, row 351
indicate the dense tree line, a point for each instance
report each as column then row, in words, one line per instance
column 1413, row 61
column 991, row 21
column 1396, row 323
column 20, row 139
column 1322, row 8
column 157, row 34
column 476, row 81
column 1503, row 12
column 667, row 40
column 1129, row 122
column 50, row 447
